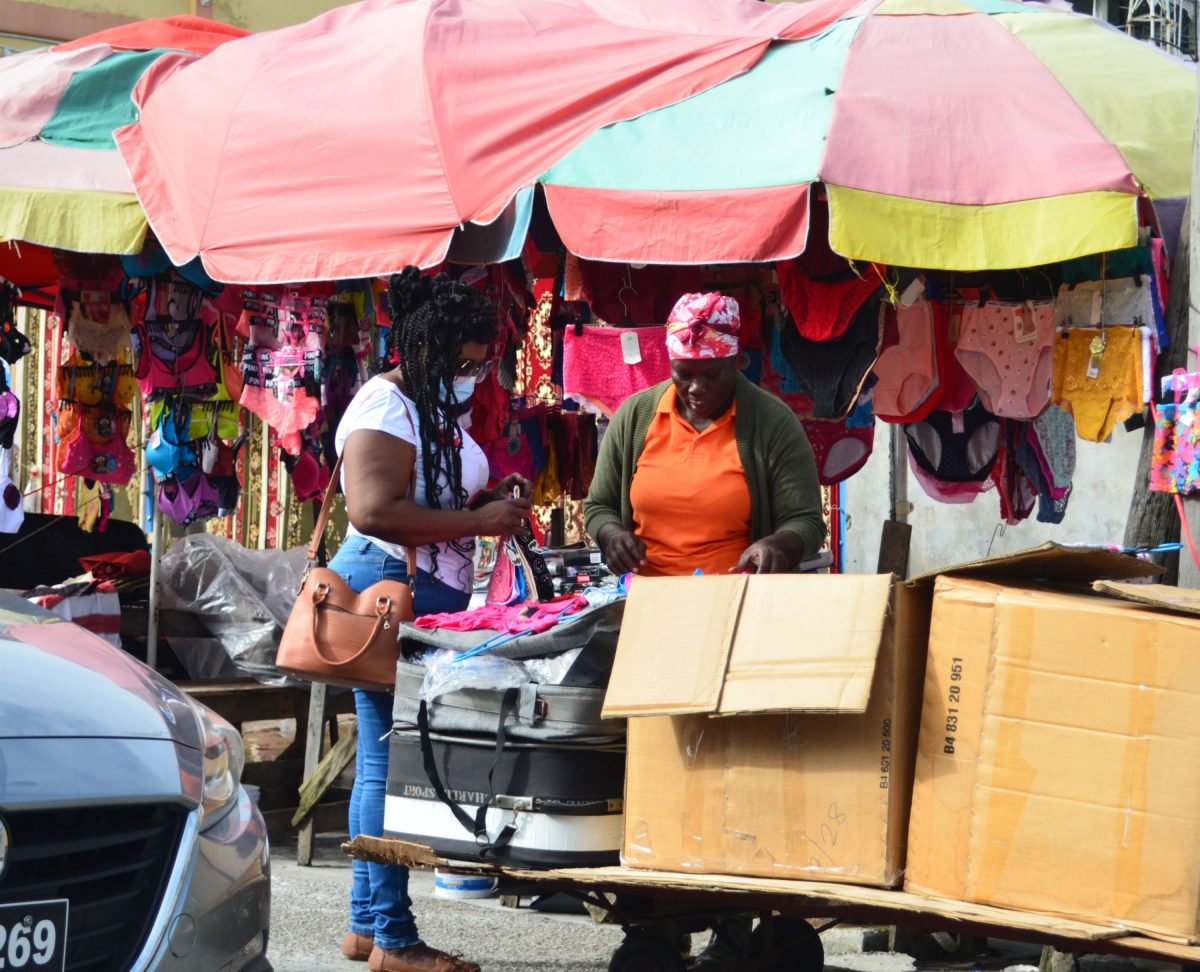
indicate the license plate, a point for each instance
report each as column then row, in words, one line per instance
column 34, row 936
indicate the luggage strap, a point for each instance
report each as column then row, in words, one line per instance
column 478, row 825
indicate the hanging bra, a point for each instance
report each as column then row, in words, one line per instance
column 97, row 319
column 92, row 443
column 10, row 413
column 201, row 418
column 189, row 500
column 822, row 308
column 172, row 342
column 100, row 423
column 110, row 384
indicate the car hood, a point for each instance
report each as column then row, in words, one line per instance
column 58, row 680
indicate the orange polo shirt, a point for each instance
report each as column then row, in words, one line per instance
column 691, row 504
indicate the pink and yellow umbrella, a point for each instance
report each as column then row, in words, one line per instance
column 948, row 134
column 361, row 141
column 62, row 182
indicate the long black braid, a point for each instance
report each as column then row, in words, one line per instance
column 432, row 317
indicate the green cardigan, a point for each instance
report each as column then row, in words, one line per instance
column 775, row 453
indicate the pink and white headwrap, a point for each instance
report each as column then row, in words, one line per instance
column 703, row 326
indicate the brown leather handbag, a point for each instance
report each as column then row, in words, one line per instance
column 336, row 636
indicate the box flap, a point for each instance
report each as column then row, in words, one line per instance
column 806, row 643
column 1050, row 562
column 1162, row 596
column 675, row 641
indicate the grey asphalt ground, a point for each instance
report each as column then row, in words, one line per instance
column 309, row 908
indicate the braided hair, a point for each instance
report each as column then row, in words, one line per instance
column 432, row 317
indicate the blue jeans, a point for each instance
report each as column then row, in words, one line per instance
column 379, row 903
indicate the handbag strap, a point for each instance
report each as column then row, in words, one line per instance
column 314, row 545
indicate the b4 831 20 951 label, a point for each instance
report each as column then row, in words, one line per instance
column 954, row 699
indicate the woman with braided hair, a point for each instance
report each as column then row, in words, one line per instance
column 413, row 477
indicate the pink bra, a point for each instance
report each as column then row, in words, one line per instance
column 189, row 500
column 172, row 342
column 92, row 444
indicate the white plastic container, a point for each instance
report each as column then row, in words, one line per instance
column 457, row 885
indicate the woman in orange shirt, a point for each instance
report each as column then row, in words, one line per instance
column 706, row 471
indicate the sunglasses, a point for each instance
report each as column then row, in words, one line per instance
column 469, row 368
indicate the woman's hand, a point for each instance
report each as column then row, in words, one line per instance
column 504, row 488
column 502, row 517
column 776, row 554
column 624, row 552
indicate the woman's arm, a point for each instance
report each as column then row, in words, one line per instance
column 604, row 499
column 378, row 470
column 797, row 522
column 623, row 552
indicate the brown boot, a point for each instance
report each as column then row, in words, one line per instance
column 417, row 958
column 357, row 948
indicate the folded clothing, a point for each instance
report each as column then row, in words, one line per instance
column 529, row 617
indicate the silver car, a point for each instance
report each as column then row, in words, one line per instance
column 127, row 841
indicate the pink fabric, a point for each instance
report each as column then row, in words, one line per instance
column 183, row 33
column 529, row 618
column 945, row 492
column 518, row 83
column 895, row 85
column 1008, row 349
column 594, row 363
column 703, row 326
column 32, row 84
column 757, row 225
column 909, row 368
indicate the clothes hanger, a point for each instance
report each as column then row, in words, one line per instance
column 627, row 287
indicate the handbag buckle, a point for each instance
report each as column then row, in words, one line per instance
column 383, row 606
column 320, row 592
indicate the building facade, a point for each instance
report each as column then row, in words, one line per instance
column 25, row 24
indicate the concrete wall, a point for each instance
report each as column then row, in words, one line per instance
column 946, row 534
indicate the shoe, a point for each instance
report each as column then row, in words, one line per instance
column 357, row 948
column 417, row 958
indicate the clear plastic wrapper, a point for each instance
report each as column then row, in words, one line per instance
column 445, row 672
column 243, row 597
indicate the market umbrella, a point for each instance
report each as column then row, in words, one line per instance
column 62, row 182
column 949, row 134
column 360, row 141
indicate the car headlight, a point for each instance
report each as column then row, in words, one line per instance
column 224, row 758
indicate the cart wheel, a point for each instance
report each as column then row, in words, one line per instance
column 789, row 945
column 641, row 953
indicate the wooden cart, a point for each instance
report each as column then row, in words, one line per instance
column 656, row 907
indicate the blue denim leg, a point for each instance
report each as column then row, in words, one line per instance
column 379, row 901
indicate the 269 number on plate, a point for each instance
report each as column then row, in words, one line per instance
column 34, row 936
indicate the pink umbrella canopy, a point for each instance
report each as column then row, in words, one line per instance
column 360, row 141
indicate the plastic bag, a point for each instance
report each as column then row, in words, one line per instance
column 242, row 596
column 445, row 673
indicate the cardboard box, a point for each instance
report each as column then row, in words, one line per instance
column 772, row 724
column 1059, row 761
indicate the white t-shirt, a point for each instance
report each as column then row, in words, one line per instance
column 380, row 406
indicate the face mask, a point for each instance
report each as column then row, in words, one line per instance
column 464, row 388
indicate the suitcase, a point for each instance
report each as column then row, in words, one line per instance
column 541, row 713
column 547, row 804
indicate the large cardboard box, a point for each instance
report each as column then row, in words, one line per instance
column 1059, row 761
column 772, row 724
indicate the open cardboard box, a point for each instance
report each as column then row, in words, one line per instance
column 772, row 724
column 773, row 720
